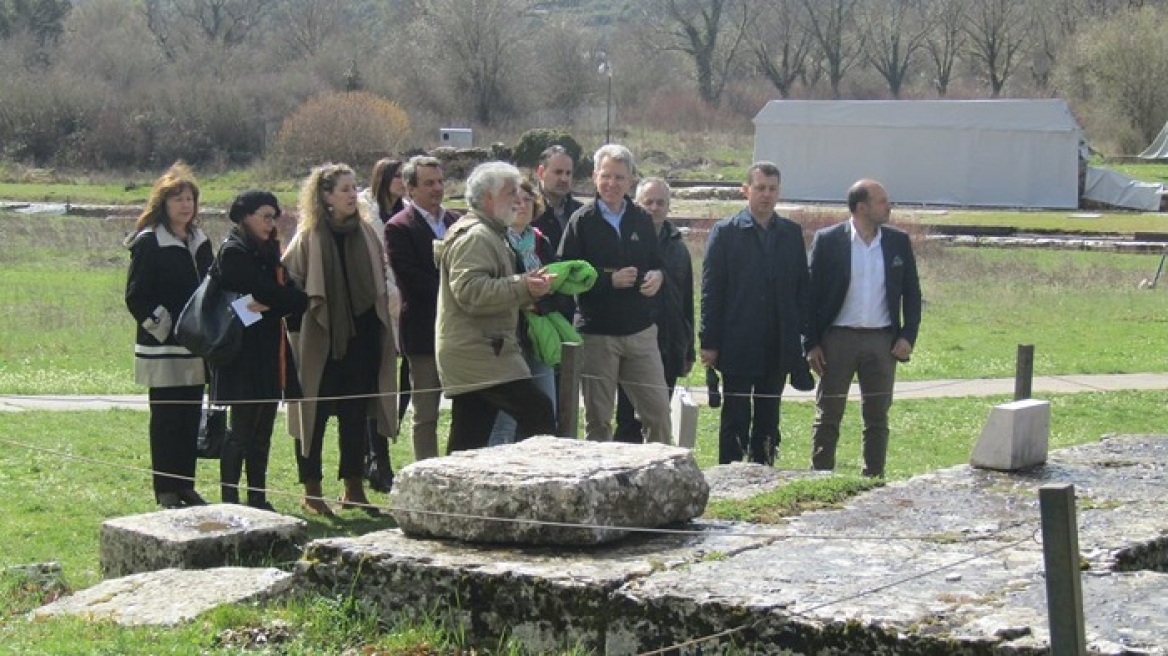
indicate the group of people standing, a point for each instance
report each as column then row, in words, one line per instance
column 372, row 274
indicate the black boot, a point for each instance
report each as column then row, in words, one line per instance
column 230, row 468
column 378, row 470
column 257, row 480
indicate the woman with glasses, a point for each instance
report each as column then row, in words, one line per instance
column 263, row 372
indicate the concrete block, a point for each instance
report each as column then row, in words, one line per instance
column 685, row 418
column 198, row 538
column 1016, row 436
column 154, row 598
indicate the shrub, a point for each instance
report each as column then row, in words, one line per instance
column 354, row 127
column 534, row 142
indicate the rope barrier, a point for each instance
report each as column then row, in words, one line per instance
column 447, row 389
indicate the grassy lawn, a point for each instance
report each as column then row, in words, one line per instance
column 66, row 330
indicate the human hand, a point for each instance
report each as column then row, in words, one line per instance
column 539, row 282
column 709, row 357
column 816, row 360
column 652, row 283
column 256, row 306
column 902, row 350
column 624, row 278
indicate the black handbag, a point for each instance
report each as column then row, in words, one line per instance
column 208, row 325
column 212, row 432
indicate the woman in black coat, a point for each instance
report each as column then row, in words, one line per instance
column 262, row 373
column 169, row 255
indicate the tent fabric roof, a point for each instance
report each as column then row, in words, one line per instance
column 1030, row 115
column 1159, row 148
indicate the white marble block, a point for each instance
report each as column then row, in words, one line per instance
column 685, row 418
column 1016, row 436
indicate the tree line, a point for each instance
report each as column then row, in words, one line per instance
column 139, row 83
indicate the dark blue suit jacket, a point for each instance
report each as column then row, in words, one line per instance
column 831, row 271
column 738, row 274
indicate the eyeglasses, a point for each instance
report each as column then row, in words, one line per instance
column 271, row 218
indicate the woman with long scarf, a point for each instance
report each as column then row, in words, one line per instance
column 344, row 349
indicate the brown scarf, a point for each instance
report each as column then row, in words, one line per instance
column 350, row 289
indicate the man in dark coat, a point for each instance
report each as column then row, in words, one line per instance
column 754, row 304
column 409, row 243
column 865, row 313
column 675, row 309
column 555, row 183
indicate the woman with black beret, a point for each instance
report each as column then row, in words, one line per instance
column 263, row 373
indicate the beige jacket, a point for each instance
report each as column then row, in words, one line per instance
column 310, row 346
column 479, row 298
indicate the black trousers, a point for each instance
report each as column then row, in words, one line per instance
column 174, row 429
column 750, row 418
column 248, row 443
column 472, row 415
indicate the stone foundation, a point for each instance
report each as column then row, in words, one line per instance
column 198, row 538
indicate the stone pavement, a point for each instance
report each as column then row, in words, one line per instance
column 913, row 389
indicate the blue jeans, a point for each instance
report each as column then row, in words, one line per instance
column 544, row 377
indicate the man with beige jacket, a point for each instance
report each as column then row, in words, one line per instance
column 480, row 294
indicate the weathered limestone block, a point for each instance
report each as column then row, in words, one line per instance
column 169, row 596
column 595, row 490
column 1015, row 436
column 548, row 598
column 198, row 538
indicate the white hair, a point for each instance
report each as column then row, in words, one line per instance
column 617, row 153
column 645, row 183
column 489, row 178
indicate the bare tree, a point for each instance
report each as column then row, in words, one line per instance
column 189, row 25
column 946, row 39
column 832, row 24
column 780, row 43
column 895, row 33
column 476, row 45
column 709, row 32
column 1113, row 65
column 310, row 24
column 567, row 76
column 997, row 31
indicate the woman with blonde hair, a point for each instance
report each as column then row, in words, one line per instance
column 169, row 255
column 344, row 349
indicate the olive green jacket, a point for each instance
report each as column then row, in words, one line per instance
column 479, row 298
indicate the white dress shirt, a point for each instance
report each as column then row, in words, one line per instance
column 866, row 304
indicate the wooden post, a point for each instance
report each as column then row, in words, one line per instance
column 568, row 408
column 1024, row 372
column 1060, row 554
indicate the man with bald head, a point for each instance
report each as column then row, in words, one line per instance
column 865, row 313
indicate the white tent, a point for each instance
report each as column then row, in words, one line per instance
column 1119, row 190
column 1159, row 147
column 1003, row 153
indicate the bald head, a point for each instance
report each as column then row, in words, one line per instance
column 868, row 203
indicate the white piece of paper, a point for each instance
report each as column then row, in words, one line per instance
column 241, row 310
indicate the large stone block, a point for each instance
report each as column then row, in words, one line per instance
column 591, row 492
column 1016, row 436
column 198, row 538
column 169, row 596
